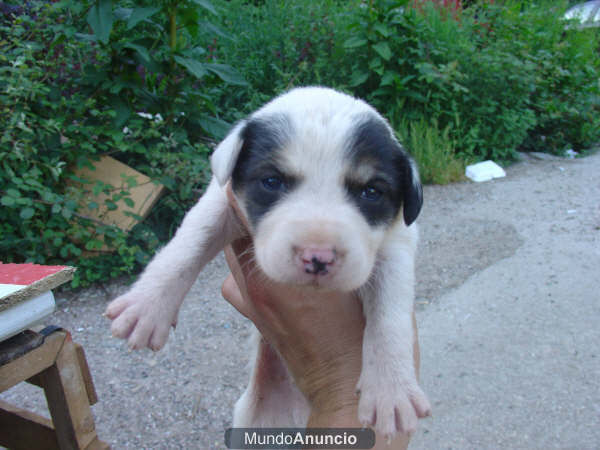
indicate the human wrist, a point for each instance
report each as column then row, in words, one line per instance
column 334, row 407
column 330, row 387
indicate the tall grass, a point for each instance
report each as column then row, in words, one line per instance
column 433, row 150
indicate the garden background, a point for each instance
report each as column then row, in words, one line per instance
column 155, row 84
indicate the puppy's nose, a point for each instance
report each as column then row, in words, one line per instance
column 318, row 261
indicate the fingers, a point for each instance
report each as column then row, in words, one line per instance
column 231, row 292
column 239, row 259
column 236, row 207
column 231, row 256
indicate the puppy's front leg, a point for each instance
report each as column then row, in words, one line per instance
column 147, row 311
column 390, row 397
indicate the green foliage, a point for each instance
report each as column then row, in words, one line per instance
column 155, row 83
column 434, row 151
column 499, row 76
column 566, row 67
column 68, row 96
column 425, row 64
column 279, row 44
column 154, row 62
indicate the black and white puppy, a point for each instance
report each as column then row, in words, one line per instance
column 331, row 198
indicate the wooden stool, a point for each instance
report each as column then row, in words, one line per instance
column 52, row 361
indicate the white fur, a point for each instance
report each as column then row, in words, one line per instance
column 378, row 261
column 271, row 400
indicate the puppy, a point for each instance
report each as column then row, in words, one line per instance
column 330, row 197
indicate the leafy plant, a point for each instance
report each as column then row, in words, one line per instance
column 279, row 44
column 152, row 84
column 155, row 63
column 566, row 66
column 503, row 77
column 79, row 80
column 425, row 63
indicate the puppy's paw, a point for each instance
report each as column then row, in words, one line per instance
column 391, row 406
column 143, row 320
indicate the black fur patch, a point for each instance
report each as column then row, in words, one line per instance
column 373, row 145
column 257, row 161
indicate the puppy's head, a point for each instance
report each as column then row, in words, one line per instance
column 321, row 179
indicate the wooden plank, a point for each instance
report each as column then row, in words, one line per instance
column 34, row 278
column 24, row 430
column 33, row 362
column 90, row 389
column 87, row 375
column 97, row 444
column 68, row 400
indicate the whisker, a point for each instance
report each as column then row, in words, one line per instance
column 249, row 250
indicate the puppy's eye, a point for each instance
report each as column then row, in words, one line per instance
column 273, row 183
column 371, row 193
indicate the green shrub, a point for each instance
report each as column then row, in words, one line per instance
column 69, row 96
column 277, row 45
column 74, row 76
column 427, row 64
column 566, row 65
column 501, row 76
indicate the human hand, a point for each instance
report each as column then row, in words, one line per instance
column 318, row 334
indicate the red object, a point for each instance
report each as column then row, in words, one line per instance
column 25, row 274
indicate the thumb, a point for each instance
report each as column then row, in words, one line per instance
column 231, row 292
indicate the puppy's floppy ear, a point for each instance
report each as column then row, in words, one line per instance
column 225, row 155
column 413, row 192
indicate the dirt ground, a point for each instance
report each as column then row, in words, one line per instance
column 182, row 396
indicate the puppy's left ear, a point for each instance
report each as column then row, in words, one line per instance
column 413, row 192
column 225, row 155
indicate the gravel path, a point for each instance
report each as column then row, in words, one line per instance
column 472, row 236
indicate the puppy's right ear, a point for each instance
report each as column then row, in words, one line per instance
column 225, row 155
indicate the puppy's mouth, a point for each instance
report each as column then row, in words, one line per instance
column 312, row 276
column 316, row 278
column 320, row 280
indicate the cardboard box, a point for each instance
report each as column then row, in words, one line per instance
column 110, row 171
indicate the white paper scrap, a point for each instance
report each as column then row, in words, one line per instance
column 484, row 171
